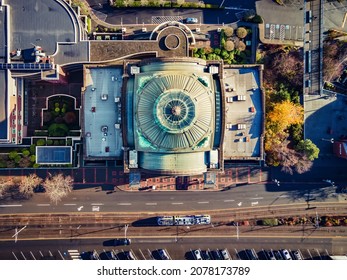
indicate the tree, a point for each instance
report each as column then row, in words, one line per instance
column 58, row 186
column 308, row 148
column 5, row 184
column 28, row 184
column 228, row 31
column 285, row 114
column 13, row 155
column 241, row 32
column 229, row 46
column 241, row 46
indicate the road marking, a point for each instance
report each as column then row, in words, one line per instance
column 80, row 208
column 96, row 208
column 203, row 202
column 229, row 200
column 257, row 198
column 255, row 203
column 11, row 205
column 70, row 204
column 123, row 204
column 177, row 203
column 239, row 204
column 43, row 205
column 97, row 204
column 151, row 203
column 283, row 196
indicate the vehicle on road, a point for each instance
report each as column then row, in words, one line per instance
column 225, row 254
column 122, row 242
column 286, row 254
column 162, row 254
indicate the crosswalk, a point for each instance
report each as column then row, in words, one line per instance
column 74, row 254
column 161, row 19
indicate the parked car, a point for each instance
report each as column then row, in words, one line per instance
column 297, row 255
column 216, row 255
column 278, row 255
column 270, row 255
column 251, row 254
column 191, row 20
column 162, row 254
column 122, row 242
column 197, row 255
column 129, row 255
column 205, row 255
column 286, row 254
column 225, row 254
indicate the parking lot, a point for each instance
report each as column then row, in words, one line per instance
column 164, row 254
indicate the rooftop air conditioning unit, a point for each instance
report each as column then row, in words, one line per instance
column 124, row 29
column 144, row 29
column 219, row 30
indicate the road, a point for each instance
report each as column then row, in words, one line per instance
column 154, row 16
column 97, row 199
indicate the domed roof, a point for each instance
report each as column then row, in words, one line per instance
column 174, row 111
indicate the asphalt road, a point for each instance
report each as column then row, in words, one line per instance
column 144, row 248
column 99, row 200
column 148, row 16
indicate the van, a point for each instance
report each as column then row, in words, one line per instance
column 197, row 255
column 286, row 254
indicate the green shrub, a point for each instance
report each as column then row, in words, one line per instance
column 32, row 149
column 56, row 143
column 13, row 155
column 32, row 158
column 36, row 165
column 58, row 130
column 41, row 142
column 270, row 222
column 49, row 142
column 25, row 153
column 69, row 142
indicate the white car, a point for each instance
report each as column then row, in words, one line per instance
column 225, row 254
column 297, row 255
column 197, row 255
column 286, row 254
column 191, row 20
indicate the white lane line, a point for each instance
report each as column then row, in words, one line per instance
column 177, row 203
column 123, row 204
column 43, row 205
column 283, row 196
column 11, row 205
column 70, row 204
column 257, row 198
column 229, row 200
column 97, row 204
column 151, row 203
column 203, row 202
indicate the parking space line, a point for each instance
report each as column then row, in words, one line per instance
column 31, row 253
column 14, row 256
column 23, row 255
column 62, row 257
column 309, row 253
column 142, row 254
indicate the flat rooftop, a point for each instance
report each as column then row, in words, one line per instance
column 102, row 108
column 244, row 113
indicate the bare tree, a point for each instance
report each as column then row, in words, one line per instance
column 58, row 186
column 5, row 184
column 28, row 184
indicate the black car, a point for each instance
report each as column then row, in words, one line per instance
column 216, row 255
column 205, row 255
column 122, row 242
column 251, row 254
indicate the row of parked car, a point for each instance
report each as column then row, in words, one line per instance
column 211, row 255
column 283, row 255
